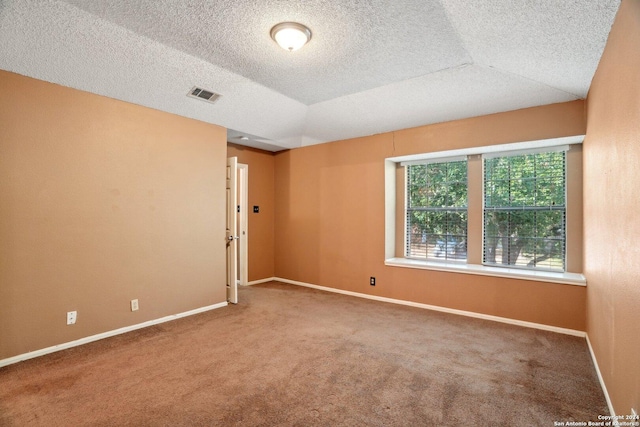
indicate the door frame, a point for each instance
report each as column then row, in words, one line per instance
column 232, row 230
column 243, row 224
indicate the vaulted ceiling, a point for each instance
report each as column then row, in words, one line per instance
column 371, row 66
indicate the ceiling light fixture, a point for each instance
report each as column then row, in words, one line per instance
column 290, row 35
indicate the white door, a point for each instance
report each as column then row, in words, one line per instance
column 232, row 238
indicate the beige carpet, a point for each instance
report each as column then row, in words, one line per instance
column 293, row 356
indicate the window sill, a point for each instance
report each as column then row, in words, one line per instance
column 482, row 270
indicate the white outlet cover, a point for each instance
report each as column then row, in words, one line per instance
column 71, row 317
column 134, row 305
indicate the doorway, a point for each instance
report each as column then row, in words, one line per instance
column 237, row 232
column 243, row 224
column 232, row 230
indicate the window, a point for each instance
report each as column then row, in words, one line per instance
column 525, row 210
column 436, row 211
column 504, row 210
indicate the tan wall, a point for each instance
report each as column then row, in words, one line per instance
column 330, row 218
column 261, row 193
column 611, row 206
column 101, row 202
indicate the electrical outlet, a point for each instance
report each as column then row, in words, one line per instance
column 134, row 305
column 372, row 281
column 71, row 317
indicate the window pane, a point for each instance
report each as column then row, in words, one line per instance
column 446, row 235
column 524, row 217
column 437, row 211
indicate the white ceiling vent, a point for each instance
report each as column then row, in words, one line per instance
column 205, row 95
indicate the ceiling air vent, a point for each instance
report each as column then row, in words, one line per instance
column 205, row 95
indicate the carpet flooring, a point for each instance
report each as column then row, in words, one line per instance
column 293, row 356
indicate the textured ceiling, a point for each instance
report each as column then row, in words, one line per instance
column 372, row 65
column 356, row 45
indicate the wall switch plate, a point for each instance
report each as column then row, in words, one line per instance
column 256, row 209
column 372, row 281
column 71, row 317
column 134, row 305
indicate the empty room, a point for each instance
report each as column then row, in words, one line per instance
column 360, row 213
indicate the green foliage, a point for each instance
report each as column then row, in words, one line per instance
column 525, row 181
column 438, row 185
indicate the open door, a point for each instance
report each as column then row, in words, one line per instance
column 232, row 238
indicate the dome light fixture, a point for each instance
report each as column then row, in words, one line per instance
column 290, row 35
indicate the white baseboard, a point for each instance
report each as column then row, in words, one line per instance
column 86, row 340
column 257, row 282
column 602, row 384
column 441, row 309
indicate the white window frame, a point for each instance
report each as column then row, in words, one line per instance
column 392, row 260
